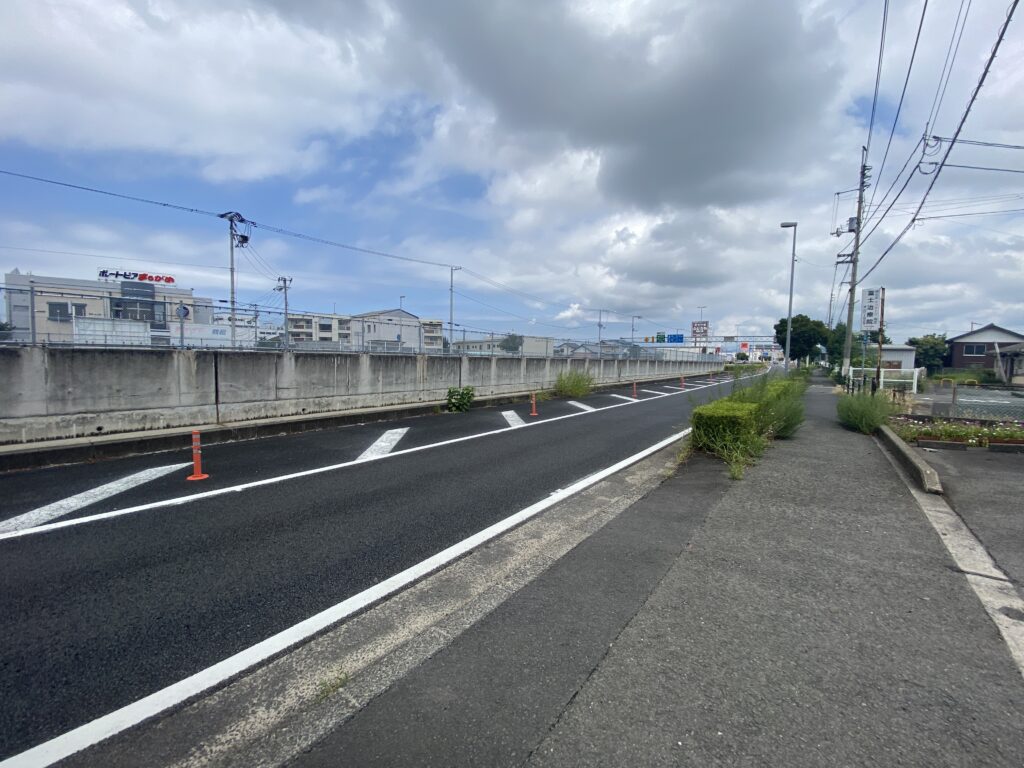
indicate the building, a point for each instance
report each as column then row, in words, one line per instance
column 390, row 330
column 898, row 357
column 120, row 307
column 977, row 348
column 509, row 344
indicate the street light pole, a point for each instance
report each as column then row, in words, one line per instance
column 792, row 270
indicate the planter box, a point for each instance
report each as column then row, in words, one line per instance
column 946, row 445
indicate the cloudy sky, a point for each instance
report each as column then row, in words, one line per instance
column 635, row 156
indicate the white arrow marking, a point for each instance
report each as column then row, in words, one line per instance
column 513, row 419
column 384, row 444
column 84, row 499
column 582, row 406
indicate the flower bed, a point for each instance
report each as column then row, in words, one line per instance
column 972, row 434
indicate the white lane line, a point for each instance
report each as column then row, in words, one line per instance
column 655, row 392
column 623, row 397
column 513, row 419
column 994, row 589
column 383, row 445
column 119, row 720
column 581, row 406
column 84, row 499
column 182, row 500
column 669, row 386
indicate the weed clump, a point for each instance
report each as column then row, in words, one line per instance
column 863, row 413
column 574, row 383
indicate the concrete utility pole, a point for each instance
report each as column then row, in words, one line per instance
column 848, row 341
column 599, row 327
column 284, row 283
column 451, row 308
column 234, row 238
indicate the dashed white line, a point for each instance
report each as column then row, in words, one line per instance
column 193, row 497
column 383, row 445
column 623, row 397
column 513, row 419
column 581, row 406
column 84, row 499
column 49, row 752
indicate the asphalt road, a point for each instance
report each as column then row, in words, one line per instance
column 100, row 614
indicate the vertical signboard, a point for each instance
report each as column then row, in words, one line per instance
column 870, row 309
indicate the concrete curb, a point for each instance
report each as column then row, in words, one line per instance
column 926, row 477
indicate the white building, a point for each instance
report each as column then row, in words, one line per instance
column 390, row 330
column 121, row 307
column 506, row 344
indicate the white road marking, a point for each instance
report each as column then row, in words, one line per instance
column 182, row 500
column 581, row 406
column 623, row 397
column 383, row 445
column 84, row 499
column 115, row 722
column 669, row 386
column 993, row 588
column 653, row 392
column 513, row 419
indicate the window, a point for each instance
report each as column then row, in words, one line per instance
column 974, row 350
column 61, row 311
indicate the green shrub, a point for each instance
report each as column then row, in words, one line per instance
column 459, row 400
column 864, row 413
column 729, row 430
column 574, row 383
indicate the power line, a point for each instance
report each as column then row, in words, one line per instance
column 878, row 73
column 936, row 101
column 980, row 167
column 974, row 213
column 956, row 135
column 899, row 107
column 976, row 143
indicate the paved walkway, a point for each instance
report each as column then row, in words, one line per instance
column 808, row 615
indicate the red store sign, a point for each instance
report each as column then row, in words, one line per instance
column 145, row 277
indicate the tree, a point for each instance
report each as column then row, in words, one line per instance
column 806, row 336
column 5, row 331
column 511, row 343
column 931, row 351
column 742, row 357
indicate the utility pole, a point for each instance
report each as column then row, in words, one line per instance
column 451, row 308
column 599, row 327
column 234, row 238
column 284, row 283
column 632, row 330
column 848, row 341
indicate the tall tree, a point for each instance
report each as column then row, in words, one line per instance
column 511, row 343
column 931, row 351
column 807, row 334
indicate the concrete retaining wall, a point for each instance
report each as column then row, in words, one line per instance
column 51, row 392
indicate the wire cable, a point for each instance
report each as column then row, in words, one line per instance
column 956, row 135
column 899, row 107
column 878, row 74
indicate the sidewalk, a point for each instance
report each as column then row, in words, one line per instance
column 808, row 615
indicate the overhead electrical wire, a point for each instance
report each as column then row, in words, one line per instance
column 899, row 106
column 878, row 72
column 943, row 77
column 952, row 141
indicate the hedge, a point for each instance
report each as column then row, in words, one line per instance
column 722, row 419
